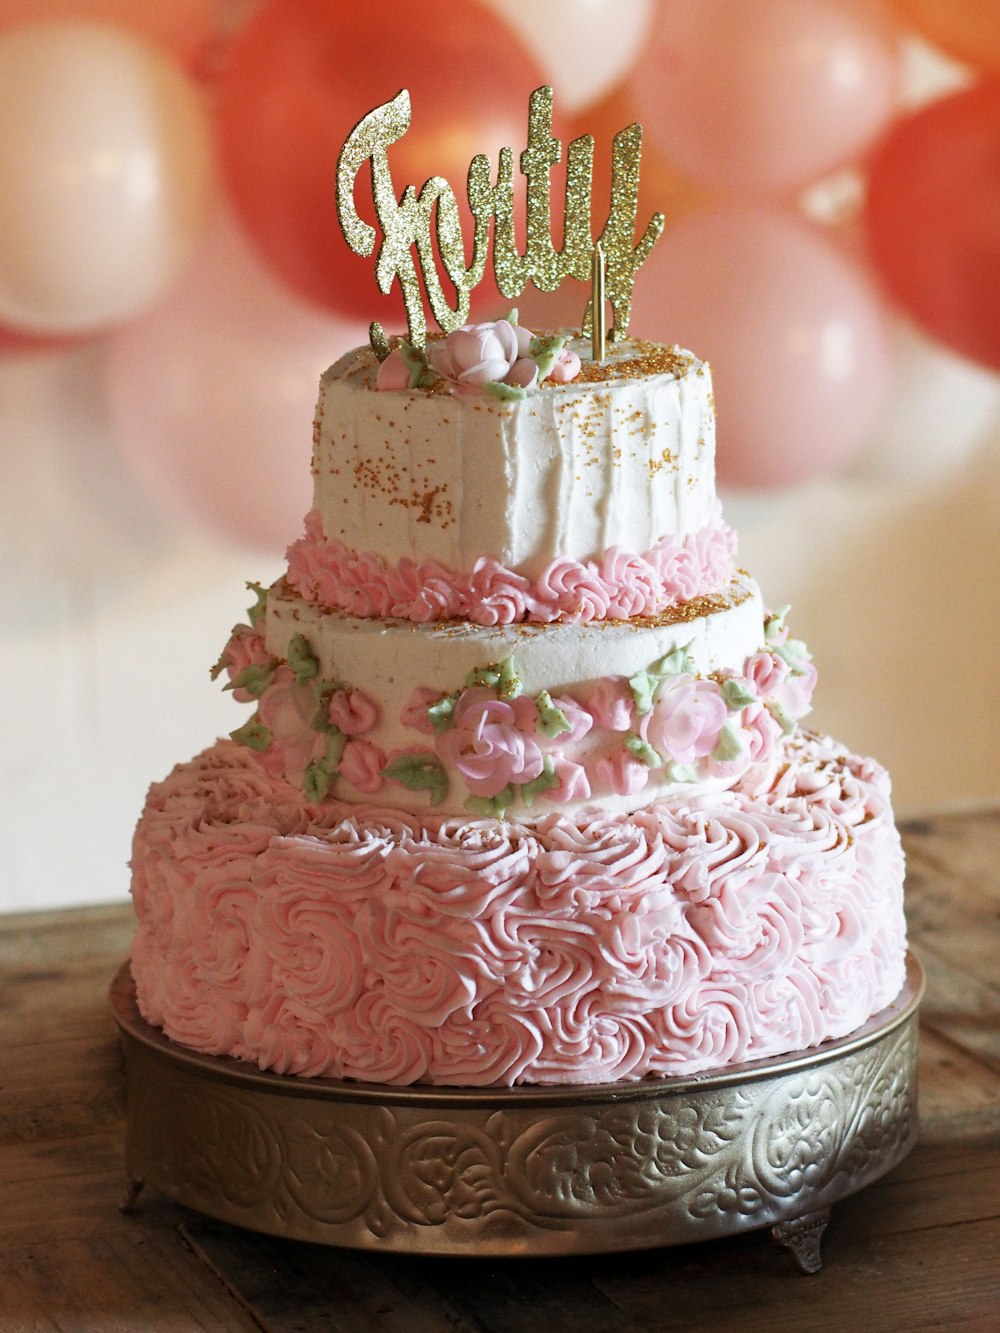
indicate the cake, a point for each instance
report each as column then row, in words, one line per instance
column 523, row 793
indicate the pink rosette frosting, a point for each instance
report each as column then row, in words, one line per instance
column 626, row 584
column 356, row 942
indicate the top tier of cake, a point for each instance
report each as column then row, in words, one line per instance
column 576, row 491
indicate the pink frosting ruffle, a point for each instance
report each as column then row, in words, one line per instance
column 359, row 942
column 620, row 585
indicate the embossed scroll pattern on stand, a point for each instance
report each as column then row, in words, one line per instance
column 419, row 220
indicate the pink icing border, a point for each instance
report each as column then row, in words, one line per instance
column 359, row 942
column 622, row 585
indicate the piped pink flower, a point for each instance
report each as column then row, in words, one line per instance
column 353, row 713
column 685, row 722
column 361, row 765
column 491, row 742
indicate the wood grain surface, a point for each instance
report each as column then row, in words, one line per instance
column 918, row 1250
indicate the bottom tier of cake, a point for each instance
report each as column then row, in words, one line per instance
column 352, row 942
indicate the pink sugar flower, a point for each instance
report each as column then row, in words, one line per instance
column 479, row 354
column 393, row 373
column 611, row 704
column 354, row 713
column 620, row 772
column 287, row 709
column 361, row 765
column 491, row 742
column 566, row 368
column 685, row 722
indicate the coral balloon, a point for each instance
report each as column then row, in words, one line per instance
column 301, row 76
column 795, row 334
column 105, row 163
column 968, row 29
column 213, row 395
column 180, row 26
column 761, row 98
column 933, row 219
column 585, row 47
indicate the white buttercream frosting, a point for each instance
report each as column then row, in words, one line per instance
column 569, row 471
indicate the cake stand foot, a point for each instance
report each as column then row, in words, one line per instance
column 803, row 1236
column 133, row 1189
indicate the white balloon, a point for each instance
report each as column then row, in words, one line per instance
column 212, row 395
column 941, row 409
column 105, row 167
column 585, row 47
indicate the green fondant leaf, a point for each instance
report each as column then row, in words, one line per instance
column 301, row 659
column 255, row 613
column 783, row 718
column 253, row 734
column 551, row 719
column 737, row 693
column 316, row 782
column 544, row 351
column 729, row 746
column 795, row 653
column 512, row 316
column 320, row 720
column 415, row 360
column 677, row 663
column 491, row 807
column 545, row 781
column 507, row 393
column 419, row 772
column 487, row 675
column 642, row 750
column 216, row 671
column 775, row 623
column 643, row 686
column 254, row 678
column 442, row 714
column 335, row 743
column 508, row 681
column 676, row 772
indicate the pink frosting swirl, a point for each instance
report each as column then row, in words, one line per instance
column 327, row 573
column 357, row 942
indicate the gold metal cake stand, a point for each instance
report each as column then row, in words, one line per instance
column 524, row 1171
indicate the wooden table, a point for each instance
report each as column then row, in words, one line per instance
column 919, row 1250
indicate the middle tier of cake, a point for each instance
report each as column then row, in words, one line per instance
column 609, row 715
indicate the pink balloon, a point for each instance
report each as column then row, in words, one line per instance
column 761, row 98
column 795, row 333
column 213, row 394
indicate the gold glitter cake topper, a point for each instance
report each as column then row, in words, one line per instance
column 407, row 222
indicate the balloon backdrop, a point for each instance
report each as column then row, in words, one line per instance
column 791, row 327
column 968, row 29
column 762, row 98
column 584, row 47
column 298, row 80
column 106, row 165
column 104, row 159
column 180, row 26
column 213, row 396
column 933, row 218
